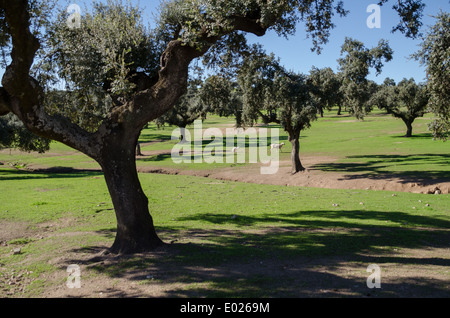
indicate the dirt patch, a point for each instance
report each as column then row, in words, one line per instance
column 315, row 178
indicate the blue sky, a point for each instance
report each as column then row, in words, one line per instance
column 295, row 53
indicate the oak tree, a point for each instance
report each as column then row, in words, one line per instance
column 131, row 89
column 406, row 101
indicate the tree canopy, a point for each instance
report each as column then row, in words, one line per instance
column 406, row 101
column 355, row 66
column 435, row 55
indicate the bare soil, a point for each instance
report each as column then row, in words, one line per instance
column 313, row 177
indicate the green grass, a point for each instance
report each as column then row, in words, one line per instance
column 233, row 222
column 375, row 146
column 372, row 147
column 216, row 223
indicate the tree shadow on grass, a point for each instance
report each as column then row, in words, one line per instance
column 48, row 173
column 304, row 257
column 377, row 167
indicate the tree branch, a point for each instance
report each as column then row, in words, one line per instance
column 4, row 102
column 22, row 94
column 152, row 103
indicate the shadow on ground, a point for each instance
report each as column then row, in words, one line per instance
column 326, row 257
column 380, row 167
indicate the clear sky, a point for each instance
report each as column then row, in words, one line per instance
column 295, row 53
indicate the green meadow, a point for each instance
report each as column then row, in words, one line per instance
column 232, row 239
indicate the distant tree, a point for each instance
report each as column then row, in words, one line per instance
column 13, row 134
column 255, row 77
column 221, row 95
column 406, row 101
column 355, row 67
column 326, row 88
column 297, row 110
column 265, row 83
column 435, row 55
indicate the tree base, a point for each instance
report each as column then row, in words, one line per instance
column 302, row 169
column 130, row 246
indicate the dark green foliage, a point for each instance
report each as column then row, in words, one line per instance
column 410, row 13
column 102, row 63
column 326, row 88
column 256, row 78
column 355, row 67
column 435, row 55
column 222, row 96
column 406, row 101
column 13, row 134
column 187, row 110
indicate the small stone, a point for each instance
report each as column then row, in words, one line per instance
column 17, row 251
column 427, row 204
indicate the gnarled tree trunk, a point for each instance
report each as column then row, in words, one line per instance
column 295, row 155
column 135, row 229
column 409, row 128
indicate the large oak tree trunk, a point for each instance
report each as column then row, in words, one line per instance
column 135, row 229
column 295, row 156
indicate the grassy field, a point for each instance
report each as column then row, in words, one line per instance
column 232, row 239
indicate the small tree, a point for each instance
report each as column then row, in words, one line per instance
column 406, row 101
column 222, row 96
column 355, row 67
column 265, row 82
column 297, row 110
column 326, row 88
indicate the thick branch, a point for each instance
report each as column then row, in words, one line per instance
column 16, row 79
column 4, row 102
column 173, row 76
column 23, row 95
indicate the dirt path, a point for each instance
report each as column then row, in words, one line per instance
column 312, row 177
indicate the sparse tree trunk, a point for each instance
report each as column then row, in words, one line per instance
column 295, row 155
column 409, row 127
column 183, row 134
column 339, row 110
column 135, row 229
column 138, row 149
column 409, row 130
